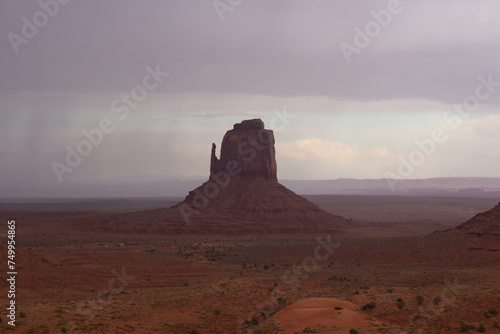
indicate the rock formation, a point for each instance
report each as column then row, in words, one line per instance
column 249, row 148
column 242, row 194
column 486, row 223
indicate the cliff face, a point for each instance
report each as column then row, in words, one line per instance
column 242, row 194
column 248, row 149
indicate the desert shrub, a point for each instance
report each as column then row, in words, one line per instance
column 309, row 330
column 194, row 331
column 22, row 315
column 437, row 301
column 419, row 300
column 464, row 328
column 493, row 311
column 495, row 325
column 356, row 292
column 353, row 331
column 400, row 302
column 368, row 306
column 481, row 329
column 266, row 267
column 390, row 290
column 281, row 300
column 217, row 311
column 338, row 308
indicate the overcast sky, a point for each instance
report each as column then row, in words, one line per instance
column 361, row 82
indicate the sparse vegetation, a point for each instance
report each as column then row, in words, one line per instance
column 353, row 331
column 419, row 299
column 493, row 311
column 464, row 328
column 400, row 302
column 281, row 300
column 368, row 306
column 481, row 329
column 338, row 308
column 437, row 301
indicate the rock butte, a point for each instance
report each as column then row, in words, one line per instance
column 243, row 195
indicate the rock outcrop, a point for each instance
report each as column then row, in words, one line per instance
column 486, row 223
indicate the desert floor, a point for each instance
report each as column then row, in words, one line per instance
column 78, row 281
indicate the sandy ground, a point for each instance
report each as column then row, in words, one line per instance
column 318, row 313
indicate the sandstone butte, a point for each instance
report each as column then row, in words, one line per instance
column 243, row 195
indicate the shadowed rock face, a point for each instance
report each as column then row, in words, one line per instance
column 247, row 149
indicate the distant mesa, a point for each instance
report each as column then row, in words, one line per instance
column 243, row 194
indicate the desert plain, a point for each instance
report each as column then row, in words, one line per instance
column 402, row 267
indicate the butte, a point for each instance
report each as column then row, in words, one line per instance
column 243, row 195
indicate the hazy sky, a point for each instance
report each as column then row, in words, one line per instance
column 362, row 83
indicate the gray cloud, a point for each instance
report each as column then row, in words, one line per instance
column 432, row 49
